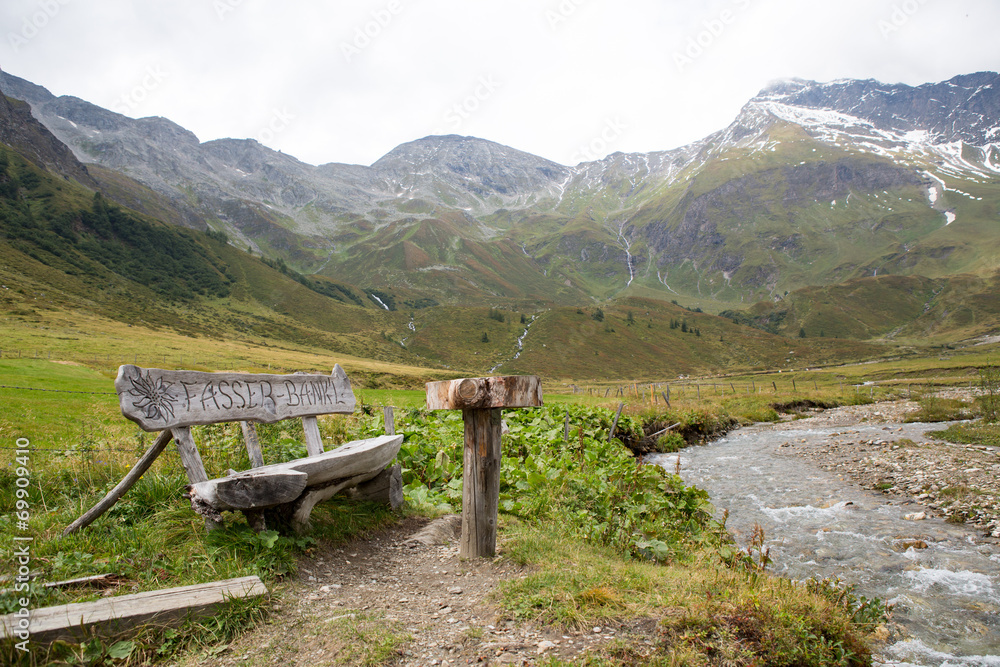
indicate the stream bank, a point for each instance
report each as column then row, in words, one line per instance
column 804, row 482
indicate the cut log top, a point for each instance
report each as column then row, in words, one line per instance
column 512, row 391
column 158, row 399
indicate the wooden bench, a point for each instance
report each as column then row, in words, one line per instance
column 282, row 493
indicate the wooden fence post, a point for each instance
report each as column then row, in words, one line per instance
column 390, row 420
column 614, row 424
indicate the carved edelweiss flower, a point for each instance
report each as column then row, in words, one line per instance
column 152, row 396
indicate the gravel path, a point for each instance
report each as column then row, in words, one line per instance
column 959, row 482
column 409, row 582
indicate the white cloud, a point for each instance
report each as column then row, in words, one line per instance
column 564, row 67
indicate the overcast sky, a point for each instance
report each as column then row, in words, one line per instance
column 565, row 79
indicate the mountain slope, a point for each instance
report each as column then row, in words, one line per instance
column 812, row 184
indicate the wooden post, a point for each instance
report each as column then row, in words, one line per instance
column 614, row 424
column 566, row 428
column 190, row 458
column 480, row 483
column 794, row 388
column 252, row 444
column 314, row 442
column 480, row 400
column 775, row 385
column 698, row 387
column 665, row 398
column 389, row 419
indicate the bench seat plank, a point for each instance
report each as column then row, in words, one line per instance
column 358, row 461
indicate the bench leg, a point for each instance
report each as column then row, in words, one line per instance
column 302, row 508
column 386, row 488
column 191, row 460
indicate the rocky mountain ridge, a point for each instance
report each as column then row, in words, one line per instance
column 811, row 183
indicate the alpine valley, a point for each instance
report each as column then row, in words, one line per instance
column 836, row 221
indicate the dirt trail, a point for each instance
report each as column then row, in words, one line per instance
column 391, row 583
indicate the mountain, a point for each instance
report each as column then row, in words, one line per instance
column 817, row 210
column 965, row 108
column 20, row 130
column 812, row 184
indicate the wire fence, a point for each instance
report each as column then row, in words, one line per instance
column 60, row 391
column 112, row 360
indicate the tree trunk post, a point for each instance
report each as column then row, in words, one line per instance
column 480, row 483
column 481, row 400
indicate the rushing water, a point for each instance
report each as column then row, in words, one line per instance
column 946, row 596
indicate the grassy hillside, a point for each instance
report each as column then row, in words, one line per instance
column 905, row 309
column 75, row 267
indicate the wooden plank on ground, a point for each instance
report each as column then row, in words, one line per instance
column 115, row 616
column 157, row 399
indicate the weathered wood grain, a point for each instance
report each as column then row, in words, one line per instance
column 157, row 399
column 252, row 443
column 302, row 508
column 386, row 487
column 314, row 442
column 362, row 459
column 389, row 419
column 115, row 616
column 480, row 400
column 512, row 391
column 480, row 483
column 190, row 458
column 255, row 490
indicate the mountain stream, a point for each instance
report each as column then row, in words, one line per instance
column 946, row 596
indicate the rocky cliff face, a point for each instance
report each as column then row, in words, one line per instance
column 22, row 132
column 964, row 108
